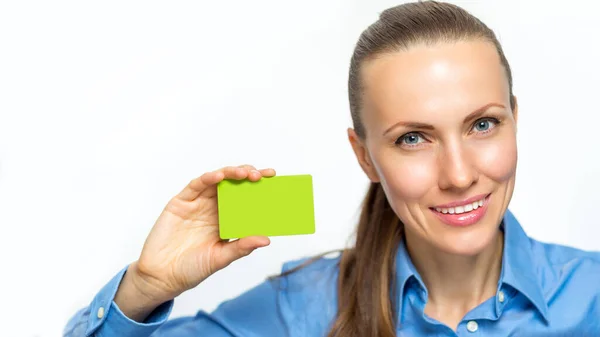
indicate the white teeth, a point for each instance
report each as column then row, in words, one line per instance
column 461, row 209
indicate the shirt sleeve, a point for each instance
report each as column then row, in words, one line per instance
column 254, row 313
column 104, row 318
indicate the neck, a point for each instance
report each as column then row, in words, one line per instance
column 456, row 284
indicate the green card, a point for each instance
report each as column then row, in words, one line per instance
column 279, row 205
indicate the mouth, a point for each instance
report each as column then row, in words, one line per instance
column 463, row 213
column 464, row 208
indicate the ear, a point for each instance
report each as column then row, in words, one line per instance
column 362, row 155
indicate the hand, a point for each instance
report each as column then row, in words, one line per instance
column 184, row 247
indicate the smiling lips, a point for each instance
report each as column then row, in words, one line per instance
column 463, row 213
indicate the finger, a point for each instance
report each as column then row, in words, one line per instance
column 253, row 173
column 268, row 172
column 248, row 167
column 234, row 250
column 200, row 184
column 229, row 172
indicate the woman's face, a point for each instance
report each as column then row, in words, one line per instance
column 441, row 139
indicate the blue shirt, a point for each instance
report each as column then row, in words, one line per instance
column 544, row 290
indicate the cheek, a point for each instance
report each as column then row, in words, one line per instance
column 498, row 159
column 406, row 178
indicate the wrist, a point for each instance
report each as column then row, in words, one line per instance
column 146, row 290
column 136, row 297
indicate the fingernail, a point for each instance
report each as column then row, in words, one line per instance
column 255, row 171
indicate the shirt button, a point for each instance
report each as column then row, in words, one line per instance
column 501, row 296
column 472, row 326
column 100, row 313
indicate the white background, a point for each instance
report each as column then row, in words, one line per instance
column 109, row 108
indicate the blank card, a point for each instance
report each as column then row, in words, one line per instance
column 272, row 206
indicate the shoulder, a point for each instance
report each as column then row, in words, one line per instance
column 297, row 302
column 308, row 293
column 308, row 270
column 567, row 270
column 310, row 277
column 300, row 301
column 563, row 257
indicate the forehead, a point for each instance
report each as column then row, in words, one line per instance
column 435, row 82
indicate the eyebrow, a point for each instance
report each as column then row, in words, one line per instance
column 424, row 126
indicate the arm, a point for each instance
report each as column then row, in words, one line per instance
column 103, row 317
column 254, row 313
column 182, row 249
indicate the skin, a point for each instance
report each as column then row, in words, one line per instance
column 438, row 86
column 455, row 156
column 183, row 247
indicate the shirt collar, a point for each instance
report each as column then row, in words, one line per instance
column 405, row 270
column 518, row 269
column 518, row 264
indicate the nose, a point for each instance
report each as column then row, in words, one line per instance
column 457, row 168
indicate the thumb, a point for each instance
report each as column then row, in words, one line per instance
column 234, row 250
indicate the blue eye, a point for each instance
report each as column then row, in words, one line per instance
column 485, row 124
column 411, row 138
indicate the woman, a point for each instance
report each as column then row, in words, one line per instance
column 437, row 252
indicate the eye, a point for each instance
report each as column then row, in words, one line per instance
column 410, row 139
column 484, row 125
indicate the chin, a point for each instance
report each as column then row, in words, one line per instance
column 469, row 241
